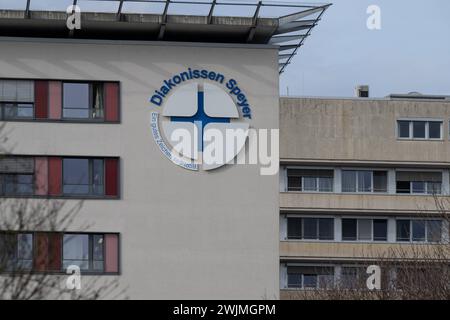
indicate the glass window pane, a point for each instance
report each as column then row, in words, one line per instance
column 97, row 251
column 434, row 187
column 348, row 181
column 348, row 229
column 76, row 250
column 97, row 176
column 294, row 183
column 403, row 129
column 294, row 280
column 310, row 281
column 434, row 230
column 403, row 187
column 380, row 230
column 325, row 184
column 403, row 230
column 418, row 230
column 326, row 229
column 310, row 228
column 419, row 129
column 364, row 229
column 380, row 181
column 294, row 228
column 25, row 110
column 76, row 102
column 76, row 95
column 25, row 246
column 76, row 113
column 434, row 129
column 76, row 176
column 309, row 184
column 418, row 187
column 364, row 181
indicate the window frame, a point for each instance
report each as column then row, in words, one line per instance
column 90, row 109
column 411, row 235
column 317, row 179
column 427, row 129
column 357, row 171
column 317, row 227
column 372, row 231
column 90, row 259
column 317, row 276
column 62, row 270
column 90, row 194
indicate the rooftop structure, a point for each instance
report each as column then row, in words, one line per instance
column 278, row 23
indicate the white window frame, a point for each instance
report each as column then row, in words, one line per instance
column 298, row 216
column 302, row 179
column 427, row 129
column 411, row 230
column 371, row 183
column 371, row 229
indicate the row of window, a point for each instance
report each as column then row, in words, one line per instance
column 419, row 129
column 57, row 176
column 59, row 100
column 54, row 252
column 353, row 229
column 311, row 277
column 364, row 181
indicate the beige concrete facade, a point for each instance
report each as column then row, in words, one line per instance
column 184, row 235
column 357, row 134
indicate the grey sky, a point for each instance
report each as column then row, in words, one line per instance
column 410, row 53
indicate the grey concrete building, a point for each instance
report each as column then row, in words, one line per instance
column 359, row 178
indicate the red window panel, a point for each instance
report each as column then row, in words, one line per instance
column 41, row 176
column 41, row 99
column 54, row 251
column 112, row 177
column 41, row 252
column 54, row 176
column 111, row 90
column 55, row 99
column 112, row 253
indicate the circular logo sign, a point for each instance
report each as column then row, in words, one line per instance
column 202, row 124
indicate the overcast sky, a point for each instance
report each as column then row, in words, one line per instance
column 411, row 52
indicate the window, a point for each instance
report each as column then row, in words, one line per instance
column 416, row 182
column 364, row 229
column 16, row 251
column 310, row 180
column 310, row 228
column 310, row 277
column 352, row 277
column 364, row 181
column 83, row 100
column 16, row 176
column 403, row 129
column 380, row 230
column 54, row 252
column 16, row 99
column 83, row 176
column 419, row 129
column 349, row 229
column 419, row 230
column 83, row 250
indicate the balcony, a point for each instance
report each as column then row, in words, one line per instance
column 361, row 203
column 299, row 250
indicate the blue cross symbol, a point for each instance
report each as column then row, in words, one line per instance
column 200, row 119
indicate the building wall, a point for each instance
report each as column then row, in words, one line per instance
column 184, row 235
column 355, row 134
column 358, row 130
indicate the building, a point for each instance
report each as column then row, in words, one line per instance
column 81, row 110
column 358, row 180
